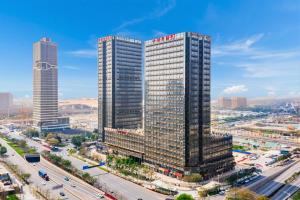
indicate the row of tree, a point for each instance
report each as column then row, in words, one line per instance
column 67, row 166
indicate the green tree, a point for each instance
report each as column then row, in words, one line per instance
column 31, row 133
column 82, row 151
column 12, row 197
column 66, row 163
column 25, row 176
column 22, row 143
column 94, row 137
column 184, row 196
column 49, row 136
column 296, row 196
column 53, row 141
column 202, row 193
column 241, row 194
column 77, row 141
column 3, row 150
column 261, row 197
column 194, row 177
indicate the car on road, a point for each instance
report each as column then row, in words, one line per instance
column 62, row 194
column 67, row 178
column 73, row 185
column 100, row 196
column 43, row 183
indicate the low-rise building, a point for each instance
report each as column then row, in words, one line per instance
column 217, row 156
column 8, row 184
column 129, row 142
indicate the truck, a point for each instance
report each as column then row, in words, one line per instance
column 32, row 158
column 43, row 174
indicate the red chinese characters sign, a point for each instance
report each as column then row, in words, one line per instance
column 105, row 38
column 122, row 132
column 165, row 38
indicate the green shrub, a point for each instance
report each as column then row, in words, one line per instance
column 184, row 197
column 194, row 177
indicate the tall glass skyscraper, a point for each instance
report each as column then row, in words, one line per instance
column 119, row 83
column 177, row 102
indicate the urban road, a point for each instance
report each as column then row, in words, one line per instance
column 287, row 191
column 273, row 184
column 266, row 139
column 121, row 187
column 75, row 189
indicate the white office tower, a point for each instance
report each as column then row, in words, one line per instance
column 45, row 87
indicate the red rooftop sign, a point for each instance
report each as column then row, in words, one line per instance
column 105, row 38
column 165, row 38
column 123, row 132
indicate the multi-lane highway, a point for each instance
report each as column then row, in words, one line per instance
column 287, row 191
column 274, row 180
column 121, row 187
column 75, row 189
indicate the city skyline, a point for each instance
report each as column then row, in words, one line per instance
column 259, row 59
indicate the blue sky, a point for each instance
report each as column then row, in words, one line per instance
column 256, row 43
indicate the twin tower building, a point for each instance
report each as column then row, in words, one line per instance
column 168, row 125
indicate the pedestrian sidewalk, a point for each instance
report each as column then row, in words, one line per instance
column 27, row 193
column 174, row 182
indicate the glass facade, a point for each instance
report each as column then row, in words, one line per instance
column 177, row 99
column 120, row 83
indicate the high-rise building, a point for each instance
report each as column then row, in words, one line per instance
column 238, row 102
column 177, row 106
column 119, row 83
column 6, row 100
column 224, row 102
column 45, row 87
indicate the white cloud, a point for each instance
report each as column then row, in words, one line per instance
column 235, row 89
column 294, row 93
column 163, row 8
column 258, row 62
column 271, row 90
column 270, row 68
column 158, row 33
column 237, row 47
column 271, row 93
column 131, row 22
column 84, row 53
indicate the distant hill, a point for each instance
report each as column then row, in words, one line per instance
column 271, row 100
column 91, row 102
